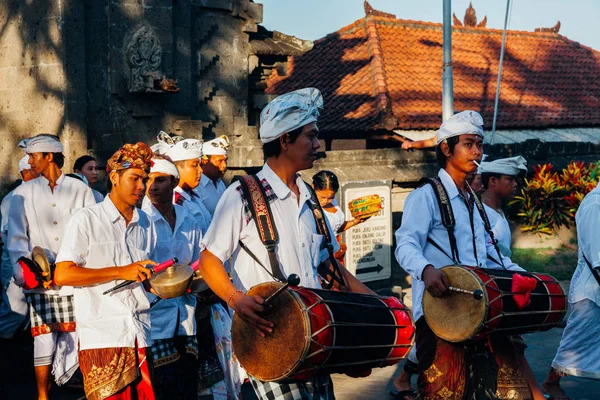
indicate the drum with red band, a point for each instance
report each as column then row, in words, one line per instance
column 458, row 317
column 323, row 332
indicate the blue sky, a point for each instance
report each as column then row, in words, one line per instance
column 313, row 19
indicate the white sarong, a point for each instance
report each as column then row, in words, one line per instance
column 576, row 354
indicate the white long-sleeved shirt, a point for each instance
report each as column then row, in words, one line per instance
column 583, row 284
column 422, row 219
column 98, row 237
column 38, row 216
column 194, row 206
column 175, row 316
column 299, row 249
column 209, row 193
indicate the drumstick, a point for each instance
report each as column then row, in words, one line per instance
column 477, row 294
column 155, row 269
column 292, row 280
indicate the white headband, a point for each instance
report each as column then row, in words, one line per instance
column 41, row 144
column 165, row 167
column 186, row 149
column 24, row 163
column 288, row 112
column 464, row 123
column 512, row 166
column 216, row 147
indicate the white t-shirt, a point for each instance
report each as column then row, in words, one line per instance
column 38, row 216
column 96, row 238
column 175, row 316
column 299, row 249
column 337, row 219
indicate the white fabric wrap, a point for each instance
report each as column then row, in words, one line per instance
column 288, row 112
column 506, row 166
column 41, row 144
column 464, row 123
column 24, row 163
column 215, row 147
column 165, row 167
column 186, row 149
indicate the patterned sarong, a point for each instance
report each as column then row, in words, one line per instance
column 115, row 373
column 50, row 313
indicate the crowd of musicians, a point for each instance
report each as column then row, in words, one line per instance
column 167, row 200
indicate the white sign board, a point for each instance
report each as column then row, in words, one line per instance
column 369, row 254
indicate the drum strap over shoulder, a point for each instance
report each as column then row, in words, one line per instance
column 487, row 226
column 594, row 271
column 333, row 274
column 447, row 217
column 254, row 193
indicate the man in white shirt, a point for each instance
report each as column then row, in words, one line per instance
column 499, row 178
column 577, row 353
column 186, row 154
column 425, row 245
column 214, row 166
column 39, row 212
column 175, row 347
column 13, row 306
column 104, row 245
column 290, row 136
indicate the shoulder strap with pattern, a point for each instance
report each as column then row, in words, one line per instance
column 333, row 275
column 447, row 216
column 254, row 193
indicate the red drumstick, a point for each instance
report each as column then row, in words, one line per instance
column 155, row 269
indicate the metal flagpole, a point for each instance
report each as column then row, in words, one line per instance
column 447, row 81
column 506, row 18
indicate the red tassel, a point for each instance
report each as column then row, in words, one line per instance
column 522, row 286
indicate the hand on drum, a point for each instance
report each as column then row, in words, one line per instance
column 249, row 308
column 436, row 282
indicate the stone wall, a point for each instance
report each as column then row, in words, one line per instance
column 92, row 72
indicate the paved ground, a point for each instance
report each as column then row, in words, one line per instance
column 16, row 377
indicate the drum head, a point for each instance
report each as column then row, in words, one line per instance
column 275, row 356
column 456, row 317
column 39, row 256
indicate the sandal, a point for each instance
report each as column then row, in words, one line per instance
column 401, row 394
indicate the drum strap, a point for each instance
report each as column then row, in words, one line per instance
column 449, row 222
column 447, row 216
column 254, row 193
column 333, row 274
column 594, row 271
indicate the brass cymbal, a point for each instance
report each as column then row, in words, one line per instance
column 172, row 282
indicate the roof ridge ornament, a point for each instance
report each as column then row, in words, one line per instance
column 369, row 10
column 470, row 19
column 554, row 29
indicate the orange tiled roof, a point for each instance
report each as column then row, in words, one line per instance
column 548, row 80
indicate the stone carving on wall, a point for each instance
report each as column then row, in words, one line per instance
column 144, row 58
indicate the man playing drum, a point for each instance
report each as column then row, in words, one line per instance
column 290, row 137
column 113, row 241
column 577, row 354
column 425, row 245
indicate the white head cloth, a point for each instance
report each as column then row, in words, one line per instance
column 464, row 123
column 288, row 112
column 164, row 142
column 43, row 143
column 512, row 166
column 216, row 147
column 185, row 149
column 165, row 167
column 24, row 163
